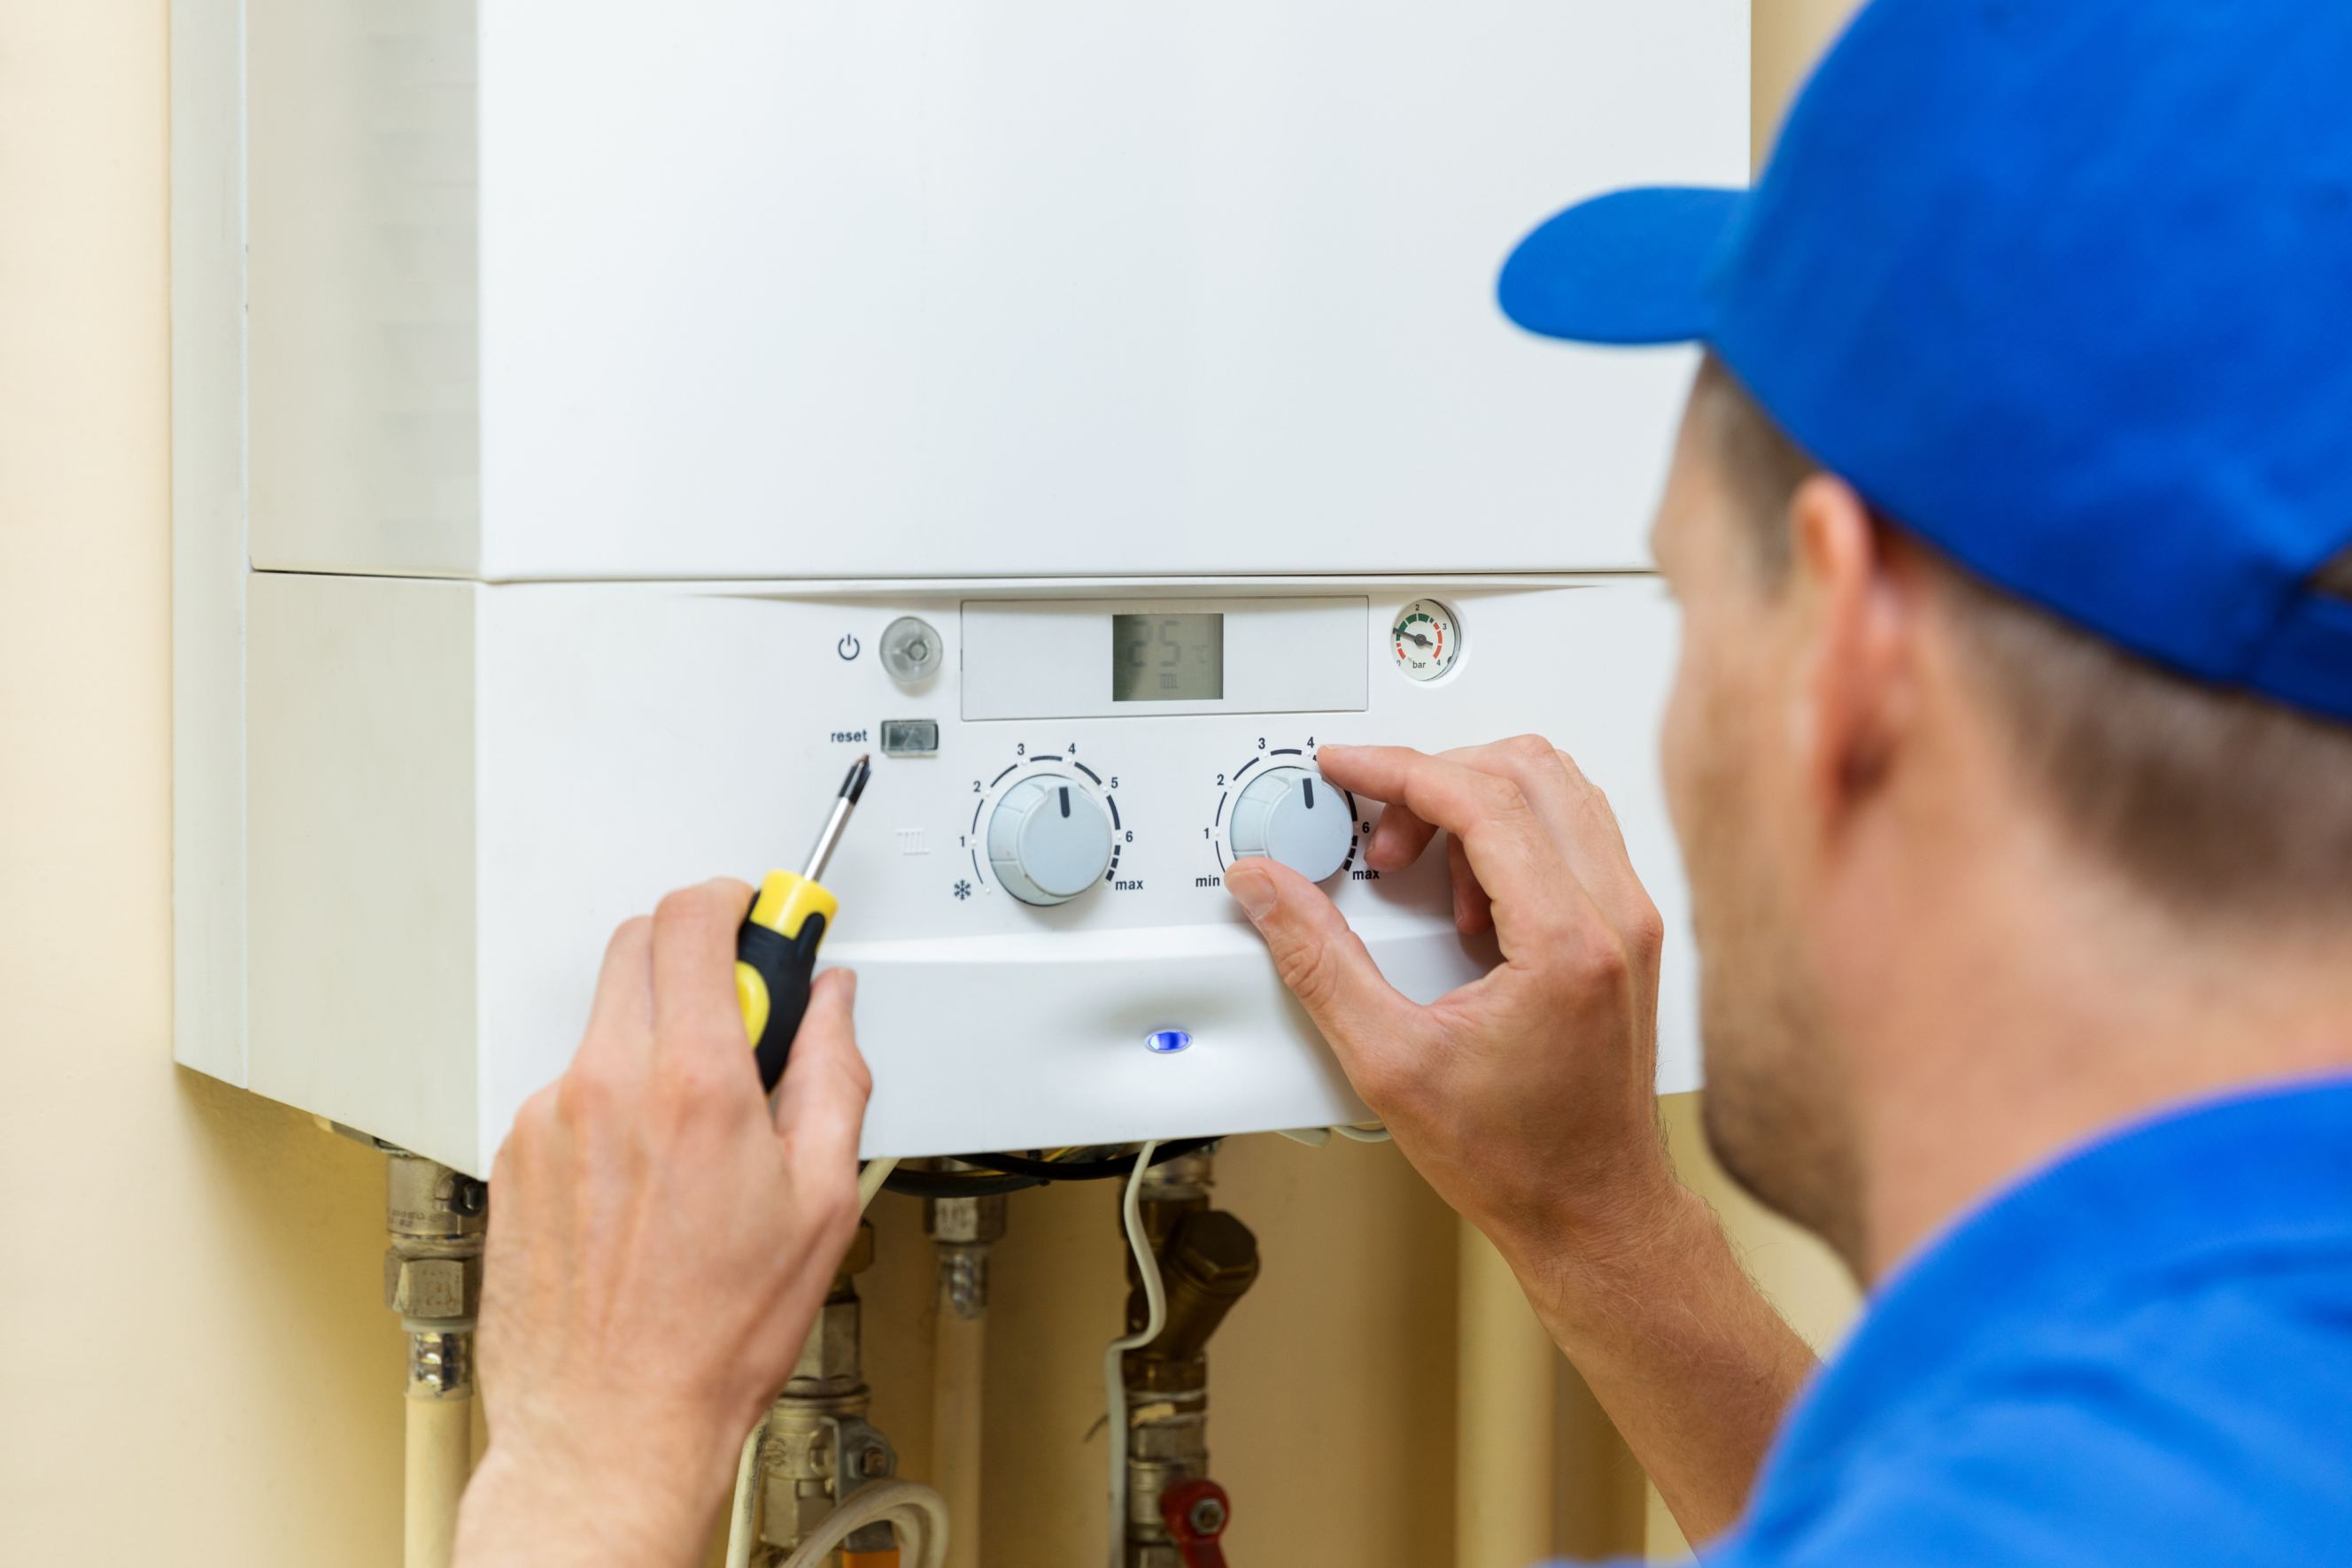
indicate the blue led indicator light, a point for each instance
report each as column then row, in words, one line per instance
column 1165, row 1040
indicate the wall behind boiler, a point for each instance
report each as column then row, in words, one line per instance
column 198, row 1368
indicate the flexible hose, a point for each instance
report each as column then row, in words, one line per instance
column 1155, row 1318
column 740, row 1534
column 920, row 1513
column 1372, row 1135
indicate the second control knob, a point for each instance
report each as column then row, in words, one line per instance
column 1289, row 814
column 1048, row 838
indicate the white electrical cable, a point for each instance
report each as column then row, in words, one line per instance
column 740, row 1535
column 920, row 1513
column 870, row 1179
column 1372, row 1135
column 1155, row 1318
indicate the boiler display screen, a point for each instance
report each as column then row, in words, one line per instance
column 1168, row 658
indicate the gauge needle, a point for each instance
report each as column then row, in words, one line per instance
column 1417, row 639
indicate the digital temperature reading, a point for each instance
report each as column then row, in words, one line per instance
column 1167, row 658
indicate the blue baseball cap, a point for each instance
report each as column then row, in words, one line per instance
column 2064, row 288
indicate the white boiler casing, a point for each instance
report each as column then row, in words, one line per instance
column 611, row 379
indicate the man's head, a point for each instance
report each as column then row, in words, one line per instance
column 1823, row 648
column 2012, row 521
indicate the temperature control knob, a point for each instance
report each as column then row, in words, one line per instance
column 1289, row 814
column 1048, row 838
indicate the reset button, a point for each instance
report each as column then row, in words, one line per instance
column 910, row 737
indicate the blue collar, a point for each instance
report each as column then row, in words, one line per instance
column 2214, row 1185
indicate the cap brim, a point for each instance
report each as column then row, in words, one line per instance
column 1627, row 268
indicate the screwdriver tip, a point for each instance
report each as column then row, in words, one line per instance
column 859, row 771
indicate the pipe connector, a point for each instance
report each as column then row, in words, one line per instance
column 437, row 1219
column 964, row 1230
column 818, row 1448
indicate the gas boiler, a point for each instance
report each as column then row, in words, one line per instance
column 596, row 423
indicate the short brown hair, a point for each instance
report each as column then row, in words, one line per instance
column 2219, row 802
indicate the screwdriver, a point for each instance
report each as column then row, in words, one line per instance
column 775, row 951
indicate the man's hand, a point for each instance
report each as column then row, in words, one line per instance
column 1528, row 1098
column 660, row 1241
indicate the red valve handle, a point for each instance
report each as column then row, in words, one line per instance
column 1196, row 1513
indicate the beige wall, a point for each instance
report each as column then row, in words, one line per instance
column 1788, row 37
column 197, row 1368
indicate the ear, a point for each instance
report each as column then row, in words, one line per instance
column 1857, row 616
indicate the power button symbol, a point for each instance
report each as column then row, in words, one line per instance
column 848, row 647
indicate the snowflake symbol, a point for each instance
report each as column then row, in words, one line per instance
column 963, row 890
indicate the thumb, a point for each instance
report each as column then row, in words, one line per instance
column 1325, row 964
column 821, row 1104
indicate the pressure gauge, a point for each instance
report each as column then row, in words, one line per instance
column 1427, row 639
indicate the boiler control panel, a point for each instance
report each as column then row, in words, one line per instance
column 1033, row 889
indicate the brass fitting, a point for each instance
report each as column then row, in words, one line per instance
column 1208, row 1259
column 436, row 1218
column 818, row 1446
column 963, row 1231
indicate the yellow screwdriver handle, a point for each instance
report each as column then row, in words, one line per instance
column 775, row 962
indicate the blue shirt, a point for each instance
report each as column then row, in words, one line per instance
column 2140, row 1356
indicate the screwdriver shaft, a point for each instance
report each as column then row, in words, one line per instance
column 851, row 788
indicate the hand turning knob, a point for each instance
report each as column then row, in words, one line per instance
column 1048, row 838
column 1289, row 814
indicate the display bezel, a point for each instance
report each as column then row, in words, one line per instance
column 1050, row 658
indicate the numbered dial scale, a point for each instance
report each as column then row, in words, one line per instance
column 1426, row 639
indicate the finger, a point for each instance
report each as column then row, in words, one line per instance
column 1576, row 819
column 622, row 1016
column 1602, row 860
column 1474, row 912
column 1398, row 839
column 821, row 1104
column 1325, row 965
column 695, row 1008
column 1401, row 837
column 1577, row 816
column 1511, row 854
